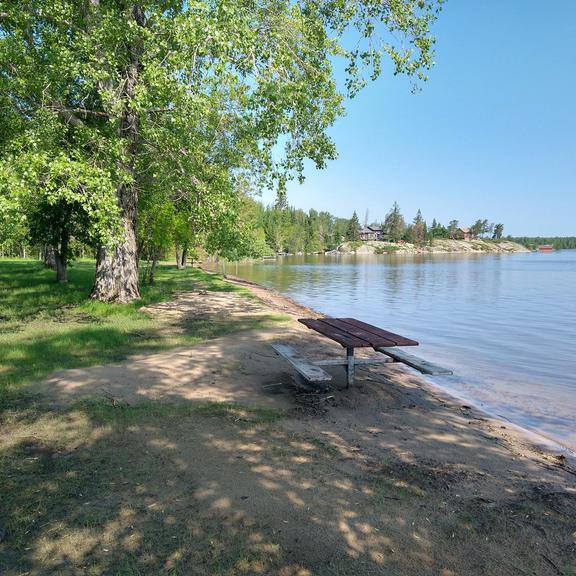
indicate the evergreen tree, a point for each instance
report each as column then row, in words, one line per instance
column 394, row 224
column 437, row 230
column 498, row 231
column 353, row 229
column 453, row 226
column 418, row 231
column 477, row 228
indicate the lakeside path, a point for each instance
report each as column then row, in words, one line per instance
column 389, row 477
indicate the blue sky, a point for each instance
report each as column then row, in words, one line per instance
column 491, row 135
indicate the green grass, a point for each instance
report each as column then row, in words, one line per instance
column 105, row 412
column 385, row 249
column 45, row 326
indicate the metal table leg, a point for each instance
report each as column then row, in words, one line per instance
column 350, row 367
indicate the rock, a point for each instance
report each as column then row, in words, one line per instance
column 439, row 246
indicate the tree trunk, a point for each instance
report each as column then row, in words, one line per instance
column 61, row 258
column 184, row 260
column 117, row 268
column 178, row 257
column 61, row 268
column 49, row 257
column 153, row 267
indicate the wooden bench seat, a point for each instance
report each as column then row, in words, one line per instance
column 311, row 372
column 422, row 366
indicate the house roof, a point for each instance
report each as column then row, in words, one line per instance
column 465, row 230
column 375, row 228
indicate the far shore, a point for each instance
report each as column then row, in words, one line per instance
column 437, row 246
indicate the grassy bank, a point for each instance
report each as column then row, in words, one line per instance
column 45, row 326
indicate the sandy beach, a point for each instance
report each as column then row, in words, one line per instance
column 391, row 476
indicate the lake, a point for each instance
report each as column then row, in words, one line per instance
column 505, row 323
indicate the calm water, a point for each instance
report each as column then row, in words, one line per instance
column 506, row 324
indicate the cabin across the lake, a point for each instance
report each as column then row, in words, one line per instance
column 372, row 232
column 463, row 234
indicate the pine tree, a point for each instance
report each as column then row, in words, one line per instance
column 394, row 224
column 418, row 232
column 477, row 228
column 353, row 229
column 452, row 228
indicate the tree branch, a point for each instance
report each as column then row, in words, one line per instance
column 83, row 111
column 67, row 115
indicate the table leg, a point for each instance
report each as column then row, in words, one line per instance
column 350, row 367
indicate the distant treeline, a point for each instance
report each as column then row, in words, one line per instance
column 281, row 228
column 292, row 230
column 559, row 242
column 288, row 229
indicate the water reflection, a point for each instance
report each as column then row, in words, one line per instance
column 505, row 323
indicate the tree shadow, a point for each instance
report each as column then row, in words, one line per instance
column 87, row 343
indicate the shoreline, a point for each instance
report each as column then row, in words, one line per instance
column 439, row 246
column 207, row 453
column 537, row 442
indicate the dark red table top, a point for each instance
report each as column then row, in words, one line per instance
column 352, row 333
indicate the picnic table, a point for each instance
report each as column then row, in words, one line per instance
column 351, row 333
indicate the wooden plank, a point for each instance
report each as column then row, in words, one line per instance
column 373, row 340
column 396, row 338
column 414, row 362
column 357, row 361
column 311, row 372
column 344, row 339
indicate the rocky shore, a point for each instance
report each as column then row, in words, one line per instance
column 438, row 246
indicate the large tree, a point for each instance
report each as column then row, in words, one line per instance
column 192, row 95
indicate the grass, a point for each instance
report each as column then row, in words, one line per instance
column 385, row 249
column 77, row 481
column 97, row 489
column 104, row 412
column 45, row 326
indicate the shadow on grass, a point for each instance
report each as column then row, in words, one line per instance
column 28, row 289
column 45, row 326
column 31, row 355
column 207, row 488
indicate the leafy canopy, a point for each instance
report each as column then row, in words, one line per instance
column 224, row 92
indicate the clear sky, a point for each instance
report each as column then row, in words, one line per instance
column 491, row 135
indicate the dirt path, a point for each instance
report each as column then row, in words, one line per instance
column 386, row 478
